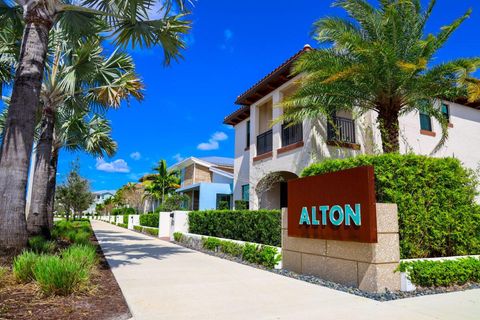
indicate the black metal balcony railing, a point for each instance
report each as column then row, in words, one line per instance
column 291, row 134
column 341, row 130
column 264, row 142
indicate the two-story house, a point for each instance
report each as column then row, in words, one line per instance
column 208, row 182
column 99, row 197
column 266, row 155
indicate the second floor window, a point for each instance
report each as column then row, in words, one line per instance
column 425, row 121
column 247, row 138
column 291, row 133
column 264, row 142
column 446, row 111
column 341, row 129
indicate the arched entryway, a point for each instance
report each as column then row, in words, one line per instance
column 272, row 190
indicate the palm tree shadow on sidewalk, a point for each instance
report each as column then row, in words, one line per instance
column 122, row 249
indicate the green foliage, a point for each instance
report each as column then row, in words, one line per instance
column 151, row 231
column 178, row 236
column 123, row 211
column 62, row 276
column 73, row 231
column 125, row 219
column 86, row 255
column 380, row 57
column 138, row 228
column 123, row 225
column 428, row 273
column 173, row 202
column 262, row 226
column 241, row 205
column 150, row 220
column 264, row 255
column 24, row 265
column 39, row 244
column 435, row 198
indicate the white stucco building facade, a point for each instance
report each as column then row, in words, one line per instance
column 267, row 155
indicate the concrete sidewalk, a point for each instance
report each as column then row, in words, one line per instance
column 161, row 280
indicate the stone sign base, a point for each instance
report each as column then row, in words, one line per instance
column 367, row 266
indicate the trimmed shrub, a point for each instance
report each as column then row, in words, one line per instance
column 138, row 228
column 39, row 244
column 263, row 255
column 150, row 220
column 241, row 205
column 123, row 211
column 262, row 226
column 123, row 225
column 178, row 236
column 151, row 231
column 125, row 219
column 24, row 265
column 435, row 198
column 428, row 273
column 173, row 202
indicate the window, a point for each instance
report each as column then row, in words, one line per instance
column 291, row 133
column 246, row 192
column 425, row 121
column 341, row 129
column 223, row 202
column 446, row 111
column 182, row 176
column 248, row 135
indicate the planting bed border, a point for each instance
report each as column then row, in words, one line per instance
column 385, row 296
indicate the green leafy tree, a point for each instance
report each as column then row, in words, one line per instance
column 380, row 59
column 74, row 195
column 161, row 183
column 132, row 23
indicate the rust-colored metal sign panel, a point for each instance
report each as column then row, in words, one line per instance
column 335, row 206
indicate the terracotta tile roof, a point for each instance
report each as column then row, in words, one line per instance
column 267, row 84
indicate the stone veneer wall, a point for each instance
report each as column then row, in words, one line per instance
column 367, row 266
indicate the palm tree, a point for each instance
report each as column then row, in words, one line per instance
column 380, row 59
column 130, row 23
column 161, row 183
column 78, row 77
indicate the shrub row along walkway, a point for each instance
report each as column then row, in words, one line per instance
column 161, row 280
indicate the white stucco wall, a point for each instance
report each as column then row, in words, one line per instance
column 241, row 161
column 463, row 142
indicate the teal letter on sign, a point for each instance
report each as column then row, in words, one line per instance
column 304, row 218
column 354, row 215
column 336, row 221
column 315, row 222
column 324, row 210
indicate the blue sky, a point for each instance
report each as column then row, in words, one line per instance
column 232, row 45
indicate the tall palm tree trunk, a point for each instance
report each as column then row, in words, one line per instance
column 17, row 144
column 389, row 130
column 37, row 220
column 52, row 183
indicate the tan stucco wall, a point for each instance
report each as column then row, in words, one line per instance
column 367, row 266
column 202, row 174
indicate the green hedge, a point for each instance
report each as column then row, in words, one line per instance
column 262, row 226
column 123, row 225
column 123, row 211
column 428, row 273
column 150, row 220
column 125, row 219
column 438, row 215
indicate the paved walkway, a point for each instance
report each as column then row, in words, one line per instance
column 161, row 280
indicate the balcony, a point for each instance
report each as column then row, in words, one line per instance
column 341, row 132
column 264, row 142
column 291, row 134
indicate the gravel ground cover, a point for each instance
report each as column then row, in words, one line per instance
column 385, row 296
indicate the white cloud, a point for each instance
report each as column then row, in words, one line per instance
column 227, row 40
column 178, row 157
column 135, row 155
column 219, row 136
column 118, row 165
column 212, row 143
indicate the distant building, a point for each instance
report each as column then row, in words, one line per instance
column 99, row 198
column 208, row 182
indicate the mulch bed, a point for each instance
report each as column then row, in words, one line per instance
column 104, row 301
